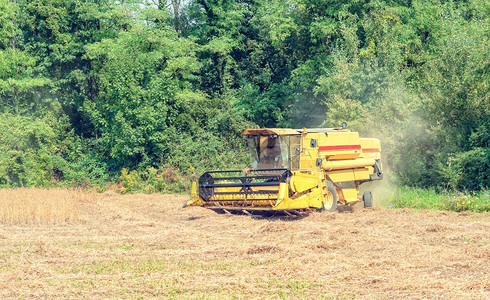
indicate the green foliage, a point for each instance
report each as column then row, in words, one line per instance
column 205, row 152
column 145, row 94
column 92, row 87
column 469, row 170
column 85, row 171
column 151, row 180
column 27, row 148
column 461, row 202
column 42, row 152
column 8, row 29
column 430, row 199
column 20, row 87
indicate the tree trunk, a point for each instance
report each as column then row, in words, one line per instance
column 176, row 8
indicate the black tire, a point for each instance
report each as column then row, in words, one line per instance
column 368, row 199
column 330, row 204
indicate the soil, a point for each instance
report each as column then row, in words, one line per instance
column 148, row 246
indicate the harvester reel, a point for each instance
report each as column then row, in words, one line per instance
column 205, row 180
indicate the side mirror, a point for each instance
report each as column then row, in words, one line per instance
column 313, row 143
column 318, row 162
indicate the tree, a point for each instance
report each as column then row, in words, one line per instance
column 21, row 89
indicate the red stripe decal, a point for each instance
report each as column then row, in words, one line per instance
column 339, row 147
column 370, row 150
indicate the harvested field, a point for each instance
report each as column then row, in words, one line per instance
column 147, row 246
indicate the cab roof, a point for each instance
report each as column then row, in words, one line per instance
column 270, row 131
column 289, row 131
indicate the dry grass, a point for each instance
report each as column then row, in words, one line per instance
column 39, row 206
column 147, row 246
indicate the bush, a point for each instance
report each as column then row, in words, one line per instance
column 469, row 170
column 40, row 152
column 85, row 171
column 27, row 151
column 163, row 180
column 208, row 151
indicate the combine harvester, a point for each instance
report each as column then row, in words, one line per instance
column 294, row 170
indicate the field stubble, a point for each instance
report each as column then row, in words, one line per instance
column 147, row 246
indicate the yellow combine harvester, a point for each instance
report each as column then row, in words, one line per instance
column 295, row 169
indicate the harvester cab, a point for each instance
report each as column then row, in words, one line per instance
column 294, row 169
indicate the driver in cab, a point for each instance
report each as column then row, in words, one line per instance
column 272, row 152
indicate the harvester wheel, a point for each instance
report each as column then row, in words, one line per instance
column 368, row 199
column 330, row 203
